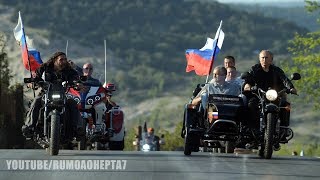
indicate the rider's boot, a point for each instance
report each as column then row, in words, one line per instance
column 276, row 147
column 27, row 131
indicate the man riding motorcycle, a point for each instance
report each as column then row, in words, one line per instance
column 57, row 67
column 265, row 75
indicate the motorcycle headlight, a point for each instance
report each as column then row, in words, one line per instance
column 146, row 147
column 134, row 143
column 271, row 95
column 56, row 96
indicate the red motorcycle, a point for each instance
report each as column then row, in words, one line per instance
column 104, row 122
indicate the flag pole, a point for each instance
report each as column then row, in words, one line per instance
column 214, row 51
column 105, row 61
column 67, row 48
column 29, row 64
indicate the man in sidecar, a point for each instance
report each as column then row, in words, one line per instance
column 213, row 121
column 217, row 85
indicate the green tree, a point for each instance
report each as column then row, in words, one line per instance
column 306, row 60
column 11, row 104
column 4, row 70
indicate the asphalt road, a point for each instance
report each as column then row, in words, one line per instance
column 151, row 165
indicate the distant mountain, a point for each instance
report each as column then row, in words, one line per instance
column 274, row 3
column 295, row 14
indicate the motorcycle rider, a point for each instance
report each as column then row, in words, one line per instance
column 87, row 70
column 265, row 75
column 56, row 67
column 156, row 139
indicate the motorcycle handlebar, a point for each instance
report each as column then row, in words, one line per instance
column 286, row 90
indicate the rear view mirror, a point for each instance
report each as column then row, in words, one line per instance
column 295, row 76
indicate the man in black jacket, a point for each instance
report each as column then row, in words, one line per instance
column 265, row 75
column 57, row 67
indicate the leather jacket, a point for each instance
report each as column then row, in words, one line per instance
column 67, row 74
column 275, row 78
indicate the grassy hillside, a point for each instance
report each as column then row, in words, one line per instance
column 146, row 40
column 296, row 14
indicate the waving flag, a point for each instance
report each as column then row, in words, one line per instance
column 32, row 56
column 200, row 60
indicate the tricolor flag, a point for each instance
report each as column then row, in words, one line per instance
column 32, row 56
column 201, row 60
column 215, row 115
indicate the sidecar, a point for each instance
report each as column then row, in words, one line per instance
column 215, row 126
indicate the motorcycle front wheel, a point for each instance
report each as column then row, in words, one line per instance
column 268, row 135
column 54, row 133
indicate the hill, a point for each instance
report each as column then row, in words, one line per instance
column 295, row 14
column 146, row 40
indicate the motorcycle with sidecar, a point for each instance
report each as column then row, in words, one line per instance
column 223, row 122
column 217, row 125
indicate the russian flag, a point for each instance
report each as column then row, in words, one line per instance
column 201, row 60
column 32, row 56
column 215, row 115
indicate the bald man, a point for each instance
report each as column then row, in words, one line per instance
column 87, row 70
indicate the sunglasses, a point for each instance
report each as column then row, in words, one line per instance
column 86, row 68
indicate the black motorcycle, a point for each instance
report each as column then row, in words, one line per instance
column 273, row 110
column 215, row 126
column 54, row 125
column 145, row 142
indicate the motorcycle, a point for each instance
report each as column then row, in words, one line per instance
column 104, row 127
column 149, row 143
column 274, row 110
column 54, row 123
column 145, row 142
column 217, row 125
